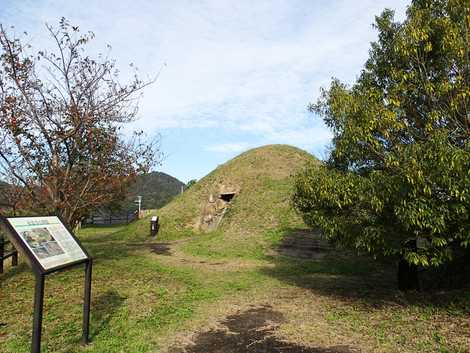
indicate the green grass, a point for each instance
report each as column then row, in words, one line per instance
column 135, row 299
column 139, row 300
column 215, row 245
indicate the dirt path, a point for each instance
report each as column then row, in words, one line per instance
column 300, row 244
column 253, row 328
column 170, row 253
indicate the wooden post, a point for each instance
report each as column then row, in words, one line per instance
column 14, row 258
column 3, row 256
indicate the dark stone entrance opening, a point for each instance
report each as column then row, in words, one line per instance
column 227, row 197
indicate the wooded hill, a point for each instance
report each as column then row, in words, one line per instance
column 156, row 189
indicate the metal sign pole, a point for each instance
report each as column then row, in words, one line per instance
column 37, row 318
column 39, row 304
column 86, row 304
column 139, row 202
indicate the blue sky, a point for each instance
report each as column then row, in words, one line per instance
column 234, row 74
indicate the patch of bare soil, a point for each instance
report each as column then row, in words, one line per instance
column 304, row 244
column 251, row 331
column 179, row 258
column 161, row 248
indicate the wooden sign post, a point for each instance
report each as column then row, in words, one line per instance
column 49, row 247
column 5, row 255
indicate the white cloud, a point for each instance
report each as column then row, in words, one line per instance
column 249, row 66
column 239, row 66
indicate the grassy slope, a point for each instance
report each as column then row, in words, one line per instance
column 264, row 176
column 142, row 301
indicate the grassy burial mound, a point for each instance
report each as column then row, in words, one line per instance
column 240, row 200
column 252, row 191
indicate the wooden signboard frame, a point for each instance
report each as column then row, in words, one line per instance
column 40, row 271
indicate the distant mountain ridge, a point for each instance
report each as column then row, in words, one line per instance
column 156, row 189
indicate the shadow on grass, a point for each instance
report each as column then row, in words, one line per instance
column 251, row 331
column 335, row 275
column 12, row 271
column 161, row 248
column 104, row 308
column 360, row 280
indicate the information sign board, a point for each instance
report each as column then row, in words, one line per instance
column 48, row 240
column 49, row 247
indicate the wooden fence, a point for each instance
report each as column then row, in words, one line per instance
column 7, row 250
column 111, row 219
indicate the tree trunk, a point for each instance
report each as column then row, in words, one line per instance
column 408, row 278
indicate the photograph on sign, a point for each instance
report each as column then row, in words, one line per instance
column 48, row 239
column 41, row 241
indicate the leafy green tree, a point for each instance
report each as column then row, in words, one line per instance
column 190, row 183
column 397, row 181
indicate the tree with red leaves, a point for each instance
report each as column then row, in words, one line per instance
column 61, row 115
